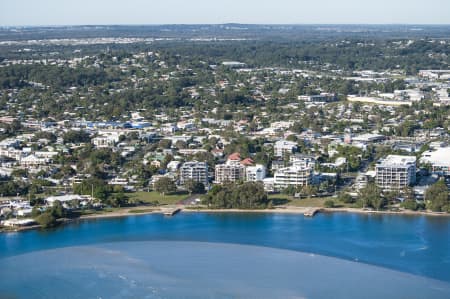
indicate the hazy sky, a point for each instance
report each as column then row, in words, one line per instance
column 77, row 12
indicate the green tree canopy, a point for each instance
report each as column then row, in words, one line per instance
column 437, row 197
column 165, row 185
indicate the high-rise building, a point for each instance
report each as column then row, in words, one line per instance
column 395, row 172
column 302, row 160
column 292, row 176
column 284, row 147
column 229, row 173
column 194, row 170
column 255, row 173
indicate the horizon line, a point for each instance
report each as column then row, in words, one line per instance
column 229, row 23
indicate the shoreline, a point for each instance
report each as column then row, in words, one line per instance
column 278, row 210
column 301, row 210
column 127, row 212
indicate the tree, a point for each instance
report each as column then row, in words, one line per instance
column 57, row 210
column 346, row 198
column 329, row 204
column 370, row 195
column 165, row 185
column 194, row 186
column 93, row 186
column 250, row 195
column 19, row 173
column 437, row 197
column 391, row 196
column 408, row 193
column 310, row 190
column 410, row 205
column 378, row 202
column 76, row 137
column 118, row 200
column 165, row 143
column 180, row 144
column 46, row 220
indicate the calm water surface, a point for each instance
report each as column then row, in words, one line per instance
column 416, row 245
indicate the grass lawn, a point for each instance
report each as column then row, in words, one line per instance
column 283, row 199
column 151, row 197
column 95, row 212
column 280, row 199
column 308, row 202
column 138, row 211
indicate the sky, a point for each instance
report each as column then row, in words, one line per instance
column 98, row 12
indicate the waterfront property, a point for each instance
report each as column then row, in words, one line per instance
column 194, row 170
column 232, row 171
column 439, row 160
column 395, row 172
column 255, row 173
column 229, row 173
column 292, row 176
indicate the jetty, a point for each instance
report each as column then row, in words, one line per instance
column 171, row 211
column 310, row 212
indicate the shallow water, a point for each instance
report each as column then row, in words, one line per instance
column 417, row 245
column 153, row 269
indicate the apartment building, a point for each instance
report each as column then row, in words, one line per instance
column 292, row 176
column 284, row 147
column 229, row 173
column 395, row 172
column 255, row 173
column 194, row 170
column 302, row 160
column 439, row 159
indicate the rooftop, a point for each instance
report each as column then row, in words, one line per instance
column 441, row 156
column 397, row 160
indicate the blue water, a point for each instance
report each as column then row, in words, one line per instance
column 171, row 269
column 417, row 245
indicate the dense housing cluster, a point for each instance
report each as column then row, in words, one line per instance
column 96, row 120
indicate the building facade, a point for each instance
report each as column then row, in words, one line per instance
column 395, row 172
column 284, row 147
column 229, row 173
column 439, row 160
column 255, row 173
column 302, row 160
column 292, row 176
column 194, row 170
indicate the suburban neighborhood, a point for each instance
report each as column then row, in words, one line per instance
column 319, row 135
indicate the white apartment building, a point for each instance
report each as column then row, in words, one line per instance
column 292, row 176
column 255, row 173
column 395, row 172
column 33, row 161
column 283, row 147
column 229, row 173
column 194, row 170
column 302, row 160
column 439, row 160
column 105, row 141
column 12, row 153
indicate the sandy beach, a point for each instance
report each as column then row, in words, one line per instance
column 282, row 209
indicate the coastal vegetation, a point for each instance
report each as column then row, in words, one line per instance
column 437, row 196
column 248, row 195
column 49, row 217
column 116, row 121
column 165, row 185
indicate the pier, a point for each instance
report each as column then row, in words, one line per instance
column 171, row 211
column 311, row 212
